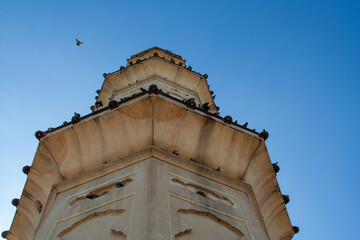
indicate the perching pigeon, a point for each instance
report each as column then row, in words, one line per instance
column 92, row 196
column 217, row 170
column 205, row 106
column 78, row 43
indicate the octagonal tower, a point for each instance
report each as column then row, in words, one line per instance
column 154, row 160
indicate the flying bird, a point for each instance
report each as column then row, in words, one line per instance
column 78, row 43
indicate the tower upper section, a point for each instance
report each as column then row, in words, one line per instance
column 160, row 67
column 165, row 54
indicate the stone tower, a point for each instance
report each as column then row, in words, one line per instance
column 154, row 160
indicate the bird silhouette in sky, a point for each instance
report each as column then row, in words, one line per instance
column 78, row 43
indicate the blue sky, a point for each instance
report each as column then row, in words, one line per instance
column 291, row 67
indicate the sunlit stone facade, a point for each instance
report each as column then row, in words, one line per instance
column 154, row 160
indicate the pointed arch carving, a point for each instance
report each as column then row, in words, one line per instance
column 212, row 217
column 92, row 216
column 102, row 191
column 203, row 191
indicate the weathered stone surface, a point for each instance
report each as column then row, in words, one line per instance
column 144, row 169
column 163, row 189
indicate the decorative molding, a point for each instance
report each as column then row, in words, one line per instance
column 204, row 192
column 214, row 218
column 84, row 220
column 179, row 234
column 101, row 191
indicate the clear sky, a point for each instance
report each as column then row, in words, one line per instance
column 291, row 67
